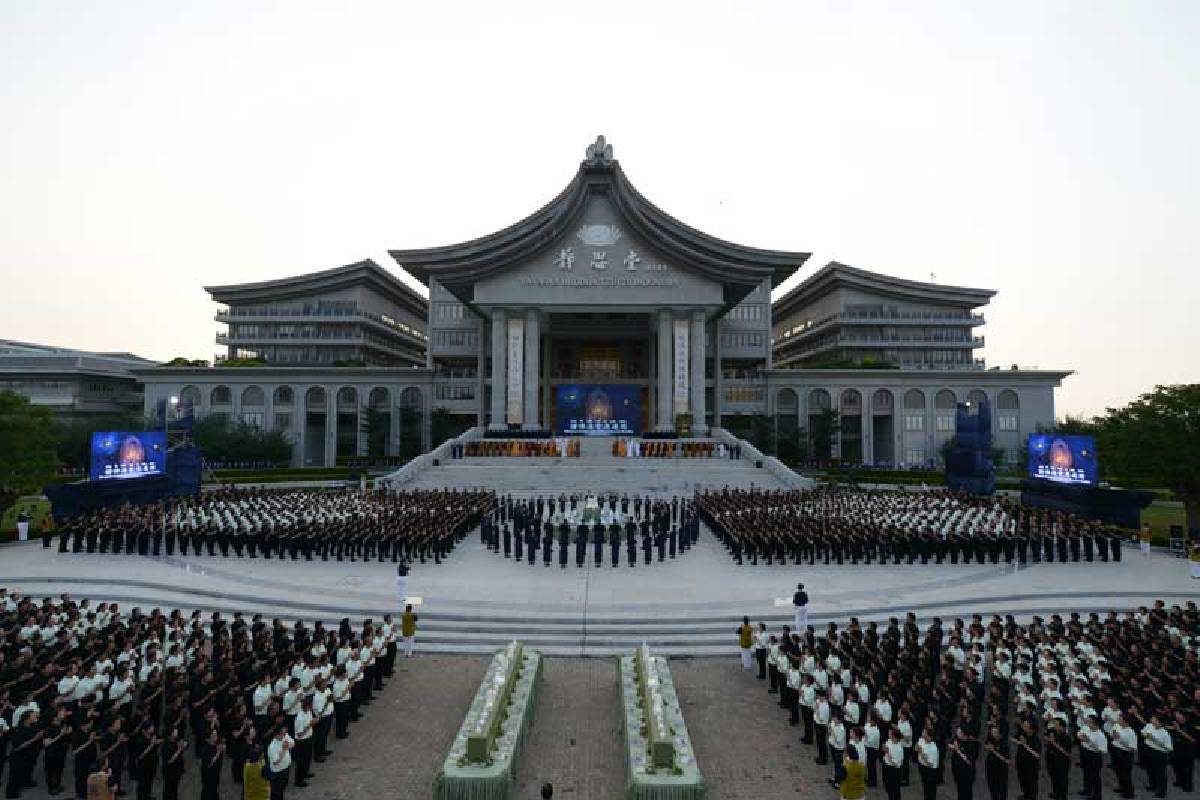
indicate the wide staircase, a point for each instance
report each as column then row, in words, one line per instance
column 596, row 470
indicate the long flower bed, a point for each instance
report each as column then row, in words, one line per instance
column 482, row 759
column 659, row 759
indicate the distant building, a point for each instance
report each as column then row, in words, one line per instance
column 72, row 383
column 601, row 313
column 356, row 315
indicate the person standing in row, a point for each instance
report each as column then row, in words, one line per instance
column 408, row 630
column 745, row 635
column 800, row 604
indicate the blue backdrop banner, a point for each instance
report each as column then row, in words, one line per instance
column 598, row 409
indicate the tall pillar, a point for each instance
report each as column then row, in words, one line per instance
column 533, row 351
column 867, row 420
column 547, row 391
column 664, row 399
column 499, row 368
column 718, row 376
column 331, row 426
column 697, row 350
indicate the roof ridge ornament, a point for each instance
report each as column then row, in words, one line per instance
column 600, row 152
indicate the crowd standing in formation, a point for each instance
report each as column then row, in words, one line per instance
column 381, row 525
column 520, row 527
column 1121, row 690
column 92, row 694
column 830, row 525
column 559, row 447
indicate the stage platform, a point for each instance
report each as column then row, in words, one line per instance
column 476, row 600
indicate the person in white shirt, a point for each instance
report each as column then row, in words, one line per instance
column 341, row 702
column 760, row 650
column 808, row 701
column 261, row 700
column 1092, row 746
column 279, row 760
column 67, row 684
column 822, row 713
column 904, row 725
column 1158, row 750
column 927, row 764
column 322, row 705
column 1123, row 741
column 837, row 748
column 893, row 763
column 305, row 720
column 871, row 743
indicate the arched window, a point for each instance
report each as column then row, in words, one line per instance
column 221, row 396
column 315, row 398
column 189, row 398
column 945, row 400
column 378, row 398
column 786, row 401
column 1007, row 400
column 881, row 400
column 819, row 400
column 252, row 397
column 976, row 398
column 851, row 401
column 1008, row 411
column 284, row 396
column 914, row 399
column 410, row 398
column 347, row 397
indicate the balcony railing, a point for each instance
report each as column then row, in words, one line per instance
column 917, row 317
column 310, row 315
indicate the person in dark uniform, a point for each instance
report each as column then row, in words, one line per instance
column 518, row 539
column 547, row 543
column 507, row 542
column 581, row 538
column 598, row 544
column 564, row 534
column 631, row 543
column 647, row 545
column 614, row 542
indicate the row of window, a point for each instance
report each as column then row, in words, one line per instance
column 743, row 394
column 459, row 392
column 746, row 313
column 253, row 397
column 456, row 338
column 742, row 339
column 449, row 310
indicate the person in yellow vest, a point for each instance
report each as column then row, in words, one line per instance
column 255, row 785
column 745, row 636
column 1144, row 538
column 854, row 784
column 408, row 629
column 1195, row 558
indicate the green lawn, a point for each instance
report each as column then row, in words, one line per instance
column 1161, row 516
column 39, row 509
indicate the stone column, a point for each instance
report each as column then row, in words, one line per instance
column 718, row 376
column 499, row 368
column 867, row 421
column 533, row 352
column 697, row 350
column 331, row 425
column 666, row 421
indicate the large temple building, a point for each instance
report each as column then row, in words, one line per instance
column 600, row 314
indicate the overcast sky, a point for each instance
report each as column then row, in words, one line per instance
column 1047, row 150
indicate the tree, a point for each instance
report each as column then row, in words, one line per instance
column 376, row 424
column 446, row 425
column 221, row 439
column 410, row 432
column 1157, row 437
column 73, row 436
column 27, row 447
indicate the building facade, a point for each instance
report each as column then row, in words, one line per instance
column 600, row 294
column 356, row 315
column 73, row 383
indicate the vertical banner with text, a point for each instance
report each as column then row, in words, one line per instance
column 681, row 367
column 516, row 371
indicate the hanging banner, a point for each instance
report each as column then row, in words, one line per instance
column 516, row 371
column 681, row 366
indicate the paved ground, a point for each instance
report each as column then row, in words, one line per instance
column 575, row 741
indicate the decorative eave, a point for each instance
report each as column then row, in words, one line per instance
column 737, row 267
column 834, row 275
column 360, row 273
column 314, row 374
column 989, row 377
